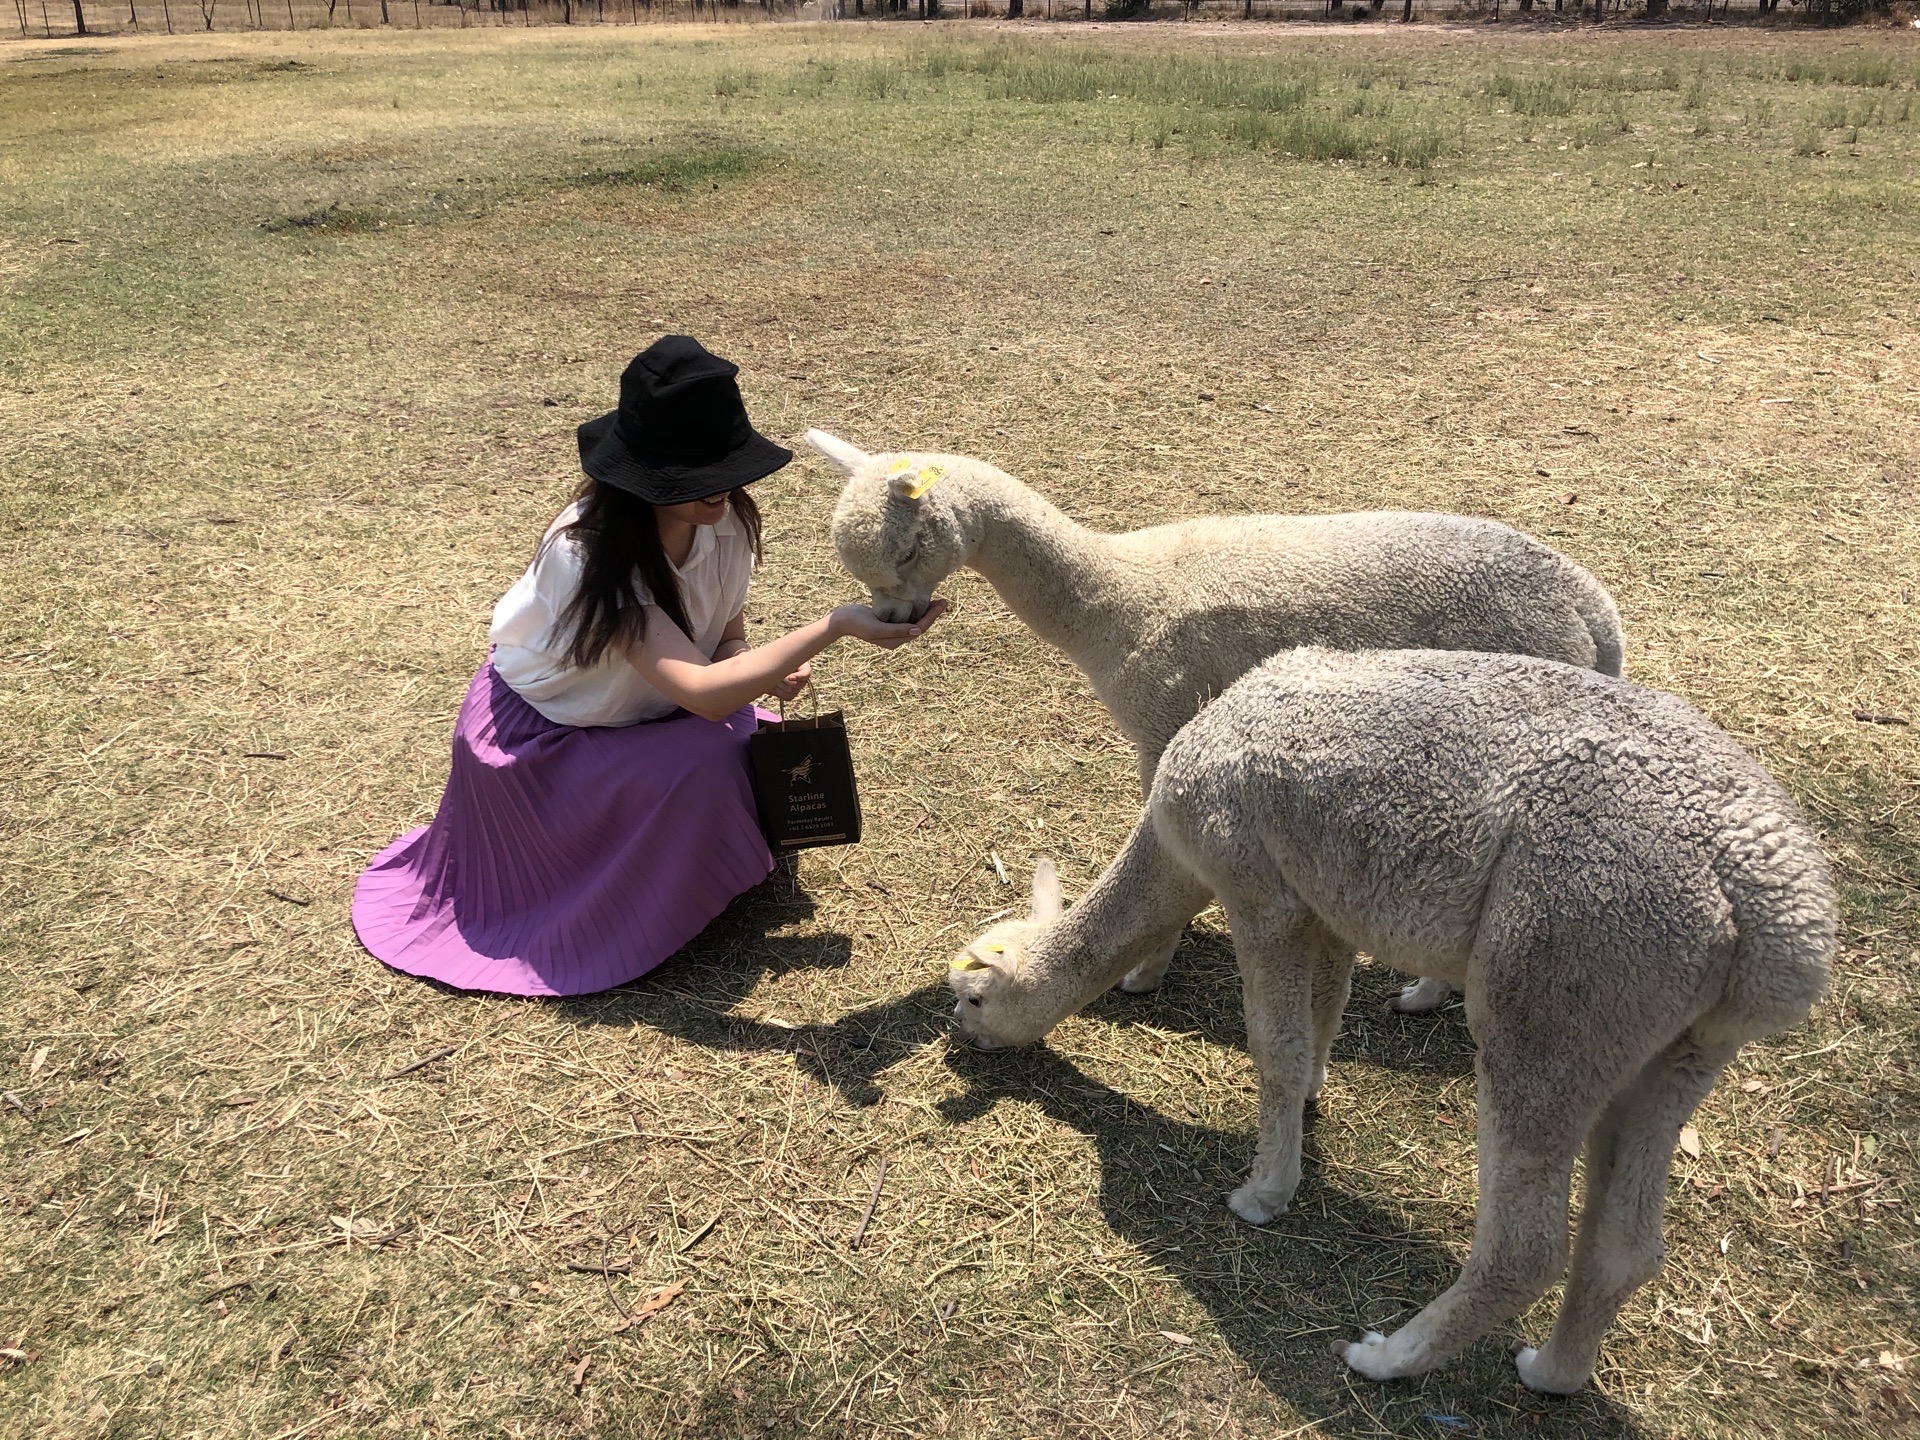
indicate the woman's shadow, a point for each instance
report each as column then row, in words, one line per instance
column 1339, row 1261
column 696, row 995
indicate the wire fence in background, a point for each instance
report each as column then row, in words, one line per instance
column 54, row 19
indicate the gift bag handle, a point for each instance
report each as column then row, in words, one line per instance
column 813, row 689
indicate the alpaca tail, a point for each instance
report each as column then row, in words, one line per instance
column 1786, row 919
column 1601, row 616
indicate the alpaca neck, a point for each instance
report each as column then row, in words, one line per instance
column 1059, row 577
column 1140, row 903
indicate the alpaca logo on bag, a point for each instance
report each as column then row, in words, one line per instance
column 801, row 774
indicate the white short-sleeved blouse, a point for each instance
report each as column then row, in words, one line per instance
column 529, row 650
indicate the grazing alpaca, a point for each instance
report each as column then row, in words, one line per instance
column 1162, row 620
column 1624, row 894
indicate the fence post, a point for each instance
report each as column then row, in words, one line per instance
column 79, row 19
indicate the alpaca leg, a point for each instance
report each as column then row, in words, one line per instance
column 1519, row 1246
column 1332, row 982
column 1619, row 1247
column 1277, row 981
column 1422, row 995
column 1149, row 973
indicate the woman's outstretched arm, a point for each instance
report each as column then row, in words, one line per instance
column 714, row 689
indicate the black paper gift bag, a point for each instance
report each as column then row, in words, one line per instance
column 803, row 782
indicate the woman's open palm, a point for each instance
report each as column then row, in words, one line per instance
column 860, row 622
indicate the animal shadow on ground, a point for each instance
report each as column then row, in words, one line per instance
column 1342, row 1259
column 1201, row 997
column 694, row 995
column 1339, row 1261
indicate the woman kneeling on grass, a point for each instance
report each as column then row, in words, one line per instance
column 590, row 828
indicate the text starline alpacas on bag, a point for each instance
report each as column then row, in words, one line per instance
column 1624, row 894
column 1163, row 619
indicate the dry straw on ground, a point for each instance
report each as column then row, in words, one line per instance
column 292, row 336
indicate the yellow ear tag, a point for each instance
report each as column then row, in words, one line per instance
column 995, row 949
column 967, row 962
column 899, row 467
column 925, row 481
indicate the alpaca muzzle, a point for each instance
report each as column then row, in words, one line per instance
column 899, row 609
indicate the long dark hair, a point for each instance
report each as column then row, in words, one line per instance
column 619, row 540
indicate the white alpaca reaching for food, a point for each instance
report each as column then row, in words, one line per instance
column 1162, row 620
column 1624, row 894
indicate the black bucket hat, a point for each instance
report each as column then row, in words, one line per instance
column 681, row 432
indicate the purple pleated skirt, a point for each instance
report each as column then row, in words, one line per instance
column 566, row 859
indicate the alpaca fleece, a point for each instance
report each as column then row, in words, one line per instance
column 1625, row 896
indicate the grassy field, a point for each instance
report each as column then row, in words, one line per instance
column 294, row 330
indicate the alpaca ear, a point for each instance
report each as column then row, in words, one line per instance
column 846, row 457
column 969, row 961
column 906, row 481
column 1046, row 893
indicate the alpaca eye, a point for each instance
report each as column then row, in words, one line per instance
column 973, row 999
column 908, row 558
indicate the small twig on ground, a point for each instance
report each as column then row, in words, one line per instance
column 18, row 1104
column 702, row 1233
column 290, row 899
column 618, row 1267
column 626, row 1316
column 425, row 1060
column 1166, row 1360
column 1870, row 718
column 263, row 754
column 372, row 1242
column 580, row 1373
column 228, row 1289
column 860, row 1230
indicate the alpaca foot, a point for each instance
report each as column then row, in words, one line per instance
column 1367, row 1355
column 1247, row 1204
column 1380, row 1357
column 1319, row 1081
column 1422, row 995
column 1538, row 1373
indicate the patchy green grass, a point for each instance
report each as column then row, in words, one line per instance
column 294, row 330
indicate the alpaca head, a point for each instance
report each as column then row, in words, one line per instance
column 898, row 529
column 993, row 1006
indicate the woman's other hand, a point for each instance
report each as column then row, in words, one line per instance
column 860, row 622
column 792, row 685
